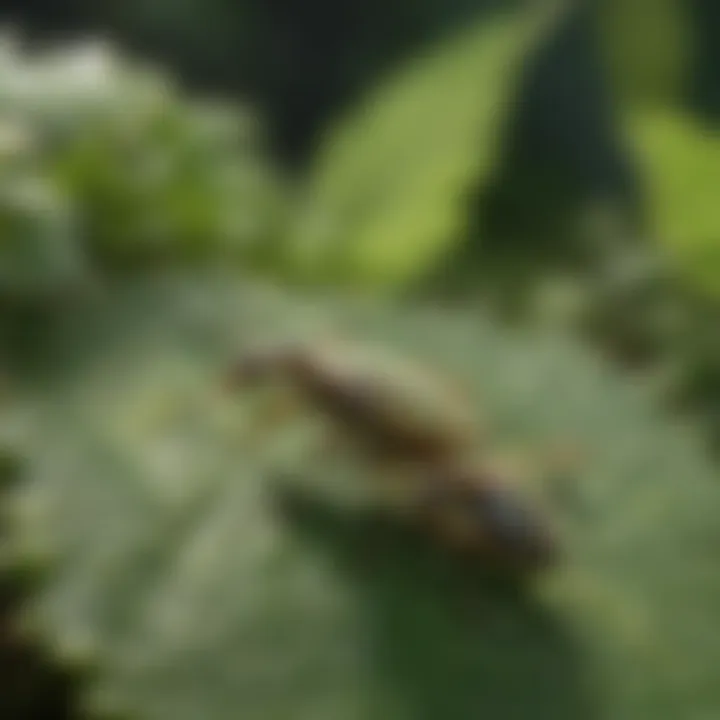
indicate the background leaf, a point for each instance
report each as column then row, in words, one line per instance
column 679, row 159
column 390, row 189
column 177, row 576
column 107, row 165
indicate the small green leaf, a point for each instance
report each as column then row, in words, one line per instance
column 388, row 193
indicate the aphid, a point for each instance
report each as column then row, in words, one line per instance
column 391, row 410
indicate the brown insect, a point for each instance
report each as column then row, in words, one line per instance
column 391, row 411
column 424, row 441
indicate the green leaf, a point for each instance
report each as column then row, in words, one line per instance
column 389, row 190
column 679, row 161
column 174, row 574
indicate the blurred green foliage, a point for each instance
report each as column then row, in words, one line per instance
column 648, row 45
column 106, row 166
column 389, row 193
